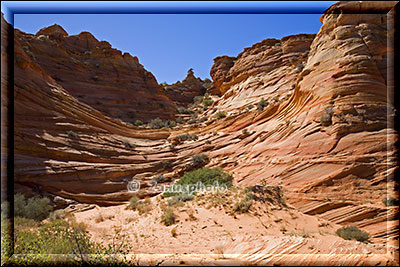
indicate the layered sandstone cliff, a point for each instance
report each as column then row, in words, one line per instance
column 183, row 92
column 325, row 133
column 97, row 74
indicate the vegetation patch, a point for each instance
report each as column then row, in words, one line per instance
column 262, row 104
column 205, row 177
column 142, row 206
column 244, row 205
column 390, row 201
column 157, row 123
column 179, row 199
column 220, row 115
column 168, row 218
column 353, row 233
column 183, row 110
column 72, row 134
column 199, row 160
column 34, row 208
column 70, row 240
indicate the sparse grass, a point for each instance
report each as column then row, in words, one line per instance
column 144, row 206
column 244, row 205
column 168, row 217
column 220, row 114
column 353, row 233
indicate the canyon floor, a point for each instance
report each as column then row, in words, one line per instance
column 310, row 114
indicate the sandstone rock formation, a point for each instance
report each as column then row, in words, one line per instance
column 324, row 133
column 182, row 93
column 97, row 74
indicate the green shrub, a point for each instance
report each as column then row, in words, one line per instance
column 192, row 121
column 244, row 205
column 128, row 144
column 157, row 123
column 198, row 99
column 142, row 206
column 262, row 104
column 179, row 199
column 182, row 110
column 171, row 124
column 220, row 115
column 34, row 208
column 353, row 233
column 250, row 106
column 390, row 201
column 199, row 160
column 158, row 179
column 184, row 137
column 326, row 119
column 207, row 102
column 207, row 176
column 138, row 123
column 133, row 203
column 72, row 134
column 33, row 246
column 57, row 215
column 168, row 217
column 203, row 119
column 166, row 164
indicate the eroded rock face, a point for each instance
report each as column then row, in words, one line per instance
column 182, row 93
column 329, row 136
column 324, row 135
column 97, row 74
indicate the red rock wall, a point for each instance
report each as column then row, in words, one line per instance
column 183, row 93
column 97, row 74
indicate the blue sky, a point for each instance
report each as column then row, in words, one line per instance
column 169, row 44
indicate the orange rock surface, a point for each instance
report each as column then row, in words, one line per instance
column 97, row 74
column 325, row 133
